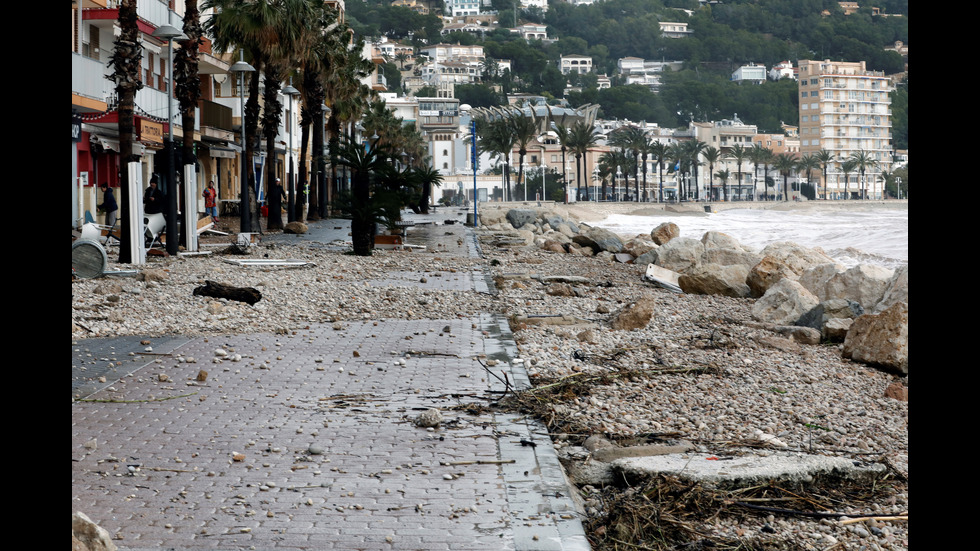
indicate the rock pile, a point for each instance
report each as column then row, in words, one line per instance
column 794, row 285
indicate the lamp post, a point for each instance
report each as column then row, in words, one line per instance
column 619, row 176
column 292, row 92
column 169, row 33
column 240, row 68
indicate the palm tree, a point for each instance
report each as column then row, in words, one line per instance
column 658, row 150
column 247, row 25
column 825, row 158
column 739, row 153
column 785, row 164
column 723, row 175
column 187, row 86
column 847, row 167
column 125, row 62
column 762, row 155
column 427, row 177
column 863, row 161
column 497, row 140
column 362, row 161
column 562, row 132
column 695, row 148
column 319, row 44
column 632, row 139
column 809, row 163
column 524, row 129
column 712, row 155
column 581, row 138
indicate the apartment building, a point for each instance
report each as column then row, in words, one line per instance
column 95, row 116
column 846, row 110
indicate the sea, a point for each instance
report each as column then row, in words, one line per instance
column 873, row 236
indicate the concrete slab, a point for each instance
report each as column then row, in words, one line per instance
column 743, row 470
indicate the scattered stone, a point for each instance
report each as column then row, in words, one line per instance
column 897, row 391
column 202, row 376
column 561, row 290
column 636, row 315
column 802, row 335
column 153, row 275
column 295, row 227
column 428, row 418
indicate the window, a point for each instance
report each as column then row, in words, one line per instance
column 802, row 94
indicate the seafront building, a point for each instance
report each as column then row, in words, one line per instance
column 845, row 109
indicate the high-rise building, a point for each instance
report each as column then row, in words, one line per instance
column 845, row 110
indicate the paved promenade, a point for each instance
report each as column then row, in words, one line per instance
column 307, row 440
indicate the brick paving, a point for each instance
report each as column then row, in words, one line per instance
column 330, row 458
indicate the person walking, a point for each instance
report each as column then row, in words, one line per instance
column 211, row 202
column 108, row 205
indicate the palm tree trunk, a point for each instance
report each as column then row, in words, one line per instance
column 126, row 74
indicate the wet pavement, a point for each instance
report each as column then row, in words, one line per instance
column 308, row 440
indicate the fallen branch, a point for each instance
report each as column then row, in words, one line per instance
column 479, row 462
column 901, row 518
column 213, row 289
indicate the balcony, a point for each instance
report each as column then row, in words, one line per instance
column 89, row 82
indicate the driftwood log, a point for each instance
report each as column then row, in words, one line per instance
column 214, row 289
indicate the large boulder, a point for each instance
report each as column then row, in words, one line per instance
column 881, row 339
column 635, row 315
column 88, row 535
column 519, row 217
column 566, row 229
column 719, row 240
column 637, row 247
column 769, row 271
column 553, row 220
column 896, row 291
column 664, row 233
column 714, row 279
column 730, row 257
column 796, row 257
column 864, row 283
column 837, row 308
column 605, row 239
column 784, row 303
column 815, row 278
column 680, row 254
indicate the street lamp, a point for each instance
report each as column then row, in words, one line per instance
column 619, row 176
column 240, row 68
column 292, row 92
column 169, row 33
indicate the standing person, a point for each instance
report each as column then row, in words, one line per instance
column 210, row 202
column 153, row 199
column 108, row 205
